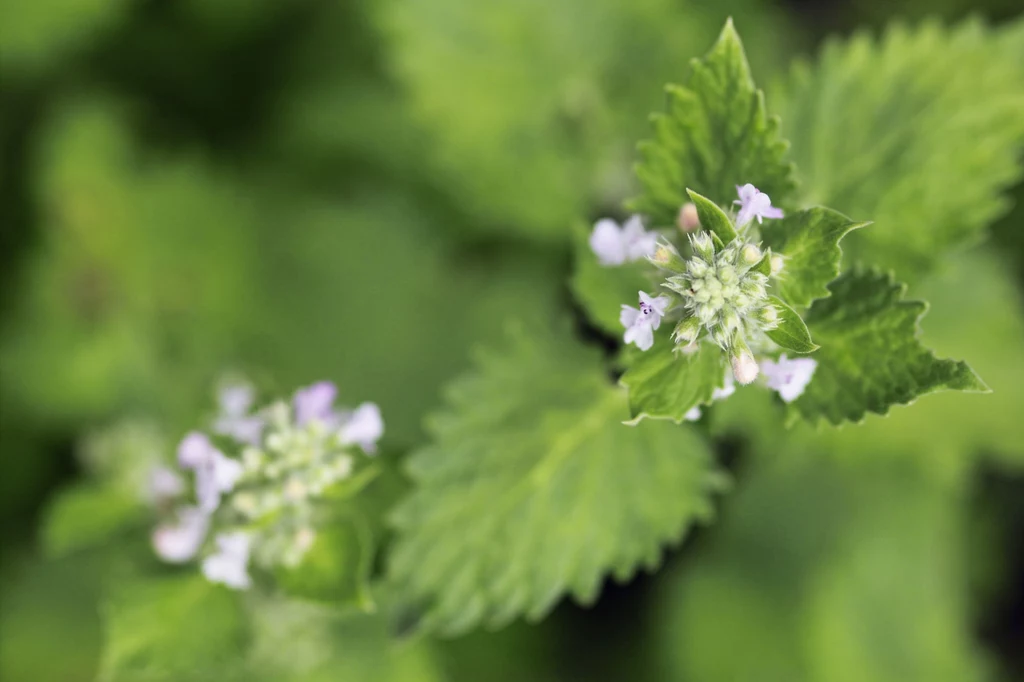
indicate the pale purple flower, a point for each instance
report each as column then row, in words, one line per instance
column 754, row 204
column 163, row 484
column 215, row 473
column 316, row 403
column 640, row 324
column 234, row 420
column 788, row 377
column 363, row 427
column 229, row 564
column 179, row 542
column 614, row 245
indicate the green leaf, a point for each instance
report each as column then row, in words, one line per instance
column 715, row 135
column 920, row 131
column 533, row 488
column 601, row 290
column 665, row 384
column 712, row 217
column 870, row 357
column 170, row 628
column 809, row 242
column 336, row 568
column 791, row 333
column 85, row 515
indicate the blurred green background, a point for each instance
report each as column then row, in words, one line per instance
column 364, row 191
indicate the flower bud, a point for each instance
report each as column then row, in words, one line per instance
column 688, row 220
column 768, row 315
column 744, row 366
column 750, row 254
column 686, row 331
column 777, row 262
column 665, row 256
column 702, row 245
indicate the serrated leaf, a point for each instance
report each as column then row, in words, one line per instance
column 791, row 332
column 920, row 131
column 870, row 357
column 602, row 291
column 85, row 515
column 715, row 135
column 665, row 384
column 712, row 217
column 809, row 242
column 336, row 568
column 533, row 489
column 171, row 628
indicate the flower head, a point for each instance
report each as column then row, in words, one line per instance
column 614, row 245
column 754, row 204
column 229, row 564
column 788, row 377
column 641, row 323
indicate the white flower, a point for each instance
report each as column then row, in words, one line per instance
column 744, row 367
column 363, row 427
column 788, row 377
column 640, row 324
column 163, row 484
column 692, row 414
column 229, row 564
column 179, row 542
column 754, row 204
column 614, row 245
column 234, row 419
column 215, row 473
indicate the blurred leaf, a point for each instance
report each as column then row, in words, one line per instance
column 533, row 488
column 870, row 357
column 86, row 514
column 336, row 568
column 172, row 628
column 664, row 383
column 809, row 242
column 920, row 133
column 823, row 573
column 33, row 32
column 715, row 136
column 534, row 106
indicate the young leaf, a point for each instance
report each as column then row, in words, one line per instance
column 601, row 290
column 870, row 357
column 532, row 488
column 809, row 242
column 921, row 131
column 665, row 384
column 715, row 135
column 172, row 628
column 712, row 217
column 791, row 333
column 85, row 515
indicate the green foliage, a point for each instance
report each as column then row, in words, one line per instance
column 712, row 218
column 665, row 384
column 792, row 333
column 603, row 290
column 532, row 488
column 534, row 106
column 870, row 357
column 920, row 131
column 336, row 568
column 87, row 514
column 809, row 241
column 172, row 628
column 715, row 136
column 32, row 33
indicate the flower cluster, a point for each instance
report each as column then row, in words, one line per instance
column 718, row 292
column 262, row 504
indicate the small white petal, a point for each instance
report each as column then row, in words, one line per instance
column 788, row 377
column 164, row 484
column 230, row 563
column 194, row 451
column 608, row 243
column 644, row 336
column 364, row 427
column 235, row 399
column 628, row 316
column 661, row 304
column 728, row 388
column 693, row 414
column 179, row 542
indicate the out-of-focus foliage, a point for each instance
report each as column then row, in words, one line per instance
column 534, row 107
column 920, row 132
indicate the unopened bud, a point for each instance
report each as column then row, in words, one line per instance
column 688, row 219
column 686, row 331
column 665, row 256
column 702, row 244
column 750, row 254
column 768, row 315
column 777, row 261
column 744, row 366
